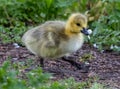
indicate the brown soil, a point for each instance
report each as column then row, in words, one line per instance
column 105, row 65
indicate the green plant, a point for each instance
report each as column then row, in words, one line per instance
column 18, row 15
column 8, row 78
column 104, row 20
column 98, row 86
column 15, row 78
column 107, row 28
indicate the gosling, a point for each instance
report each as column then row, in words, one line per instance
column 55, row 39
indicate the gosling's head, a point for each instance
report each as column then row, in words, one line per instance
column 77, row 23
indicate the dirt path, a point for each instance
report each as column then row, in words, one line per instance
column 105, row 66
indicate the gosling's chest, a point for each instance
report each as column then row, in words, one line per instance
column 74, row 43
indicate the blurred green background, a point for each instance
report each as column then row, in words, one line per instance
column 17, row 16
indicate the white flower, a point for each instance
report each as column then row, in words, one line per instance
column 89, row 31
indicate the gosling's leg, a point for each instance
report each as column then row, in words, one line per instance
column 79, row 66
column 40, row 62
column 72, row 62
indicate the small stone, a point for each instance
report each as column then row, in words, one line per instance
column 95, row 45
column 16, row 45
column 92, row 74
column 14, row 59
column 87, row 63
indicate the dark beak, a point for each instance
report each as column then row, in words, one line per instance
column 85, row 31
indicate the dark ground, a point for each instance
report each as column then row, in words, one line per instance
column 105, row 66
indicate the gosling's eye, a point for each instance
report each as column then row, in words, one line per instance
column 78, row 24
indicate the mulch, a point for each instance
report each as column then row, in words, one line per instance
column 103, row 65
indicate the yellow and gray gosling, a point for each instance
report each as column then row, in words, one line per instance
column 55, row 39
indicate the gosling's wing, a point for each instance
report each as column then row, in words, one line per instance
column 48, row 34
column 54, row 27
column 55, row 33
column 52, row 40
column 28, row 37
column 47, row 38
